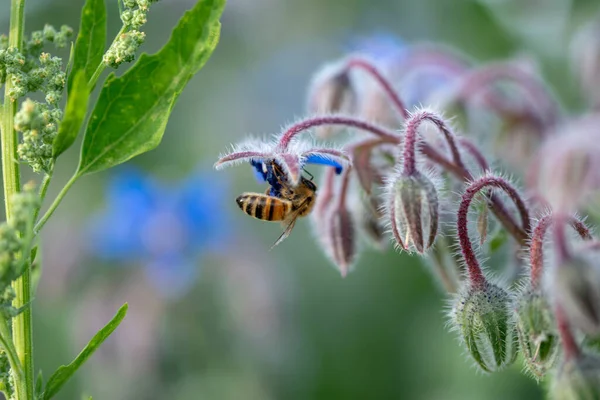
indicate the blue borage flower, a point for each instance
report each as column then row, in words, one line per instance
column 165, row 228
column 291, row 154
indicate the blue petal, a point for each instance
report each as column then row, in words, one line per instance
column 381, row 46
column 259, row 173
column 324, row 160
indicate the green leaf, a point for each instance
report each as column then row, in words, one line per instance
column 132, row 111
column 91, row 40
column 64, row 372
column 39, row 385
column 75, row 111
column 498, row 239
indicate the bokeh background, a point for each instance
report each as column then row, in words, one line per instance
column 213, row 313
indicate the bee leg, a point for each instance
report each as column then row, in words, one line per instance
column 285, row 233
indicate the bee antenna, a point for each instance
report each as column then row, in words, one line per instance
column 309, row 174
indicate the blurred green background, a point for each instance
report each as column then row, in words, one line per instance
column 280, row 324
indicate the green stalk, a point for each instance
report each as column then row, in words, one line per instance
column 101, row 67
column 38, row 227
column 11, row 179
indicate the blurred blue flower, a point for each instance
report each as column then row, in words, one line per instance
column 379, row 47
column 164, row 227
column 417, row 71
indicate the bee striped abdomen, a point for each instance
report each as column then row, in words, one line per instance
column 264, row 207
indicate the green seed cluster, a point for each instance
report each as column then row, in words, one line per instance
column 6, row 379
column 33, row 70
column 36, row 71
column 38, row 124
column 126, row 45
column 15, row 241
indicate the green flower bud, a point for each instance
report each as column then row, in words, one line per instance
column 62, row 38
column 124, row 48
column 143, row 4
column 24, row 205
column 482, row 315
column 578, row 379
column 126, row 17
column 49, row 32
column 412, row 204
column 537, row 337
column 129, row 3
column 38, row 126
column 138, row 19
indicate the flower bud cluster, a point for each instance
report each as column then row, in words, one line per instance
column 123, row 49
column 421, row 180
column 15, row 242
column 49, row 34
column 38, row 124
column 36, row 71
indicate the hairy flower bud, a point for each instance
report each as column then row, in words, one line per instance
column 342, row 237
column 537, row 337
column 576, row 284
column 412, row 206
column 331, row 91
column 578, row 379
column 482, row 315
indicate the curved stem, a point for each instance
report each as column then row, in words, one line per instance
column 389, row 136
column 536, row 249
column 560, row 238
column 351, row 122
column 54, row 205
column 385, row 84
column 487, row 76
column 470, row 147
column 475, row 274
column 569, row 344
column 410, row 139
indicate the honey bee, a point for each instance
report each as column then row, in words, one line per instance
column 282, row 202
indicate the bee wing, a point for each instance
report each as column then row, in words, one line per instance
column 287, row 230
column 293, row 217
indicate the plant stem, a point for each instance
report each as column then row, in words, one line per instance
column 43, row 190
column 536, row 248
column 385, row 84
column 101, row 67
column 54, row 205
column 11, row 179
column 475, row 274
column 389, row 136
column 411, row 134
